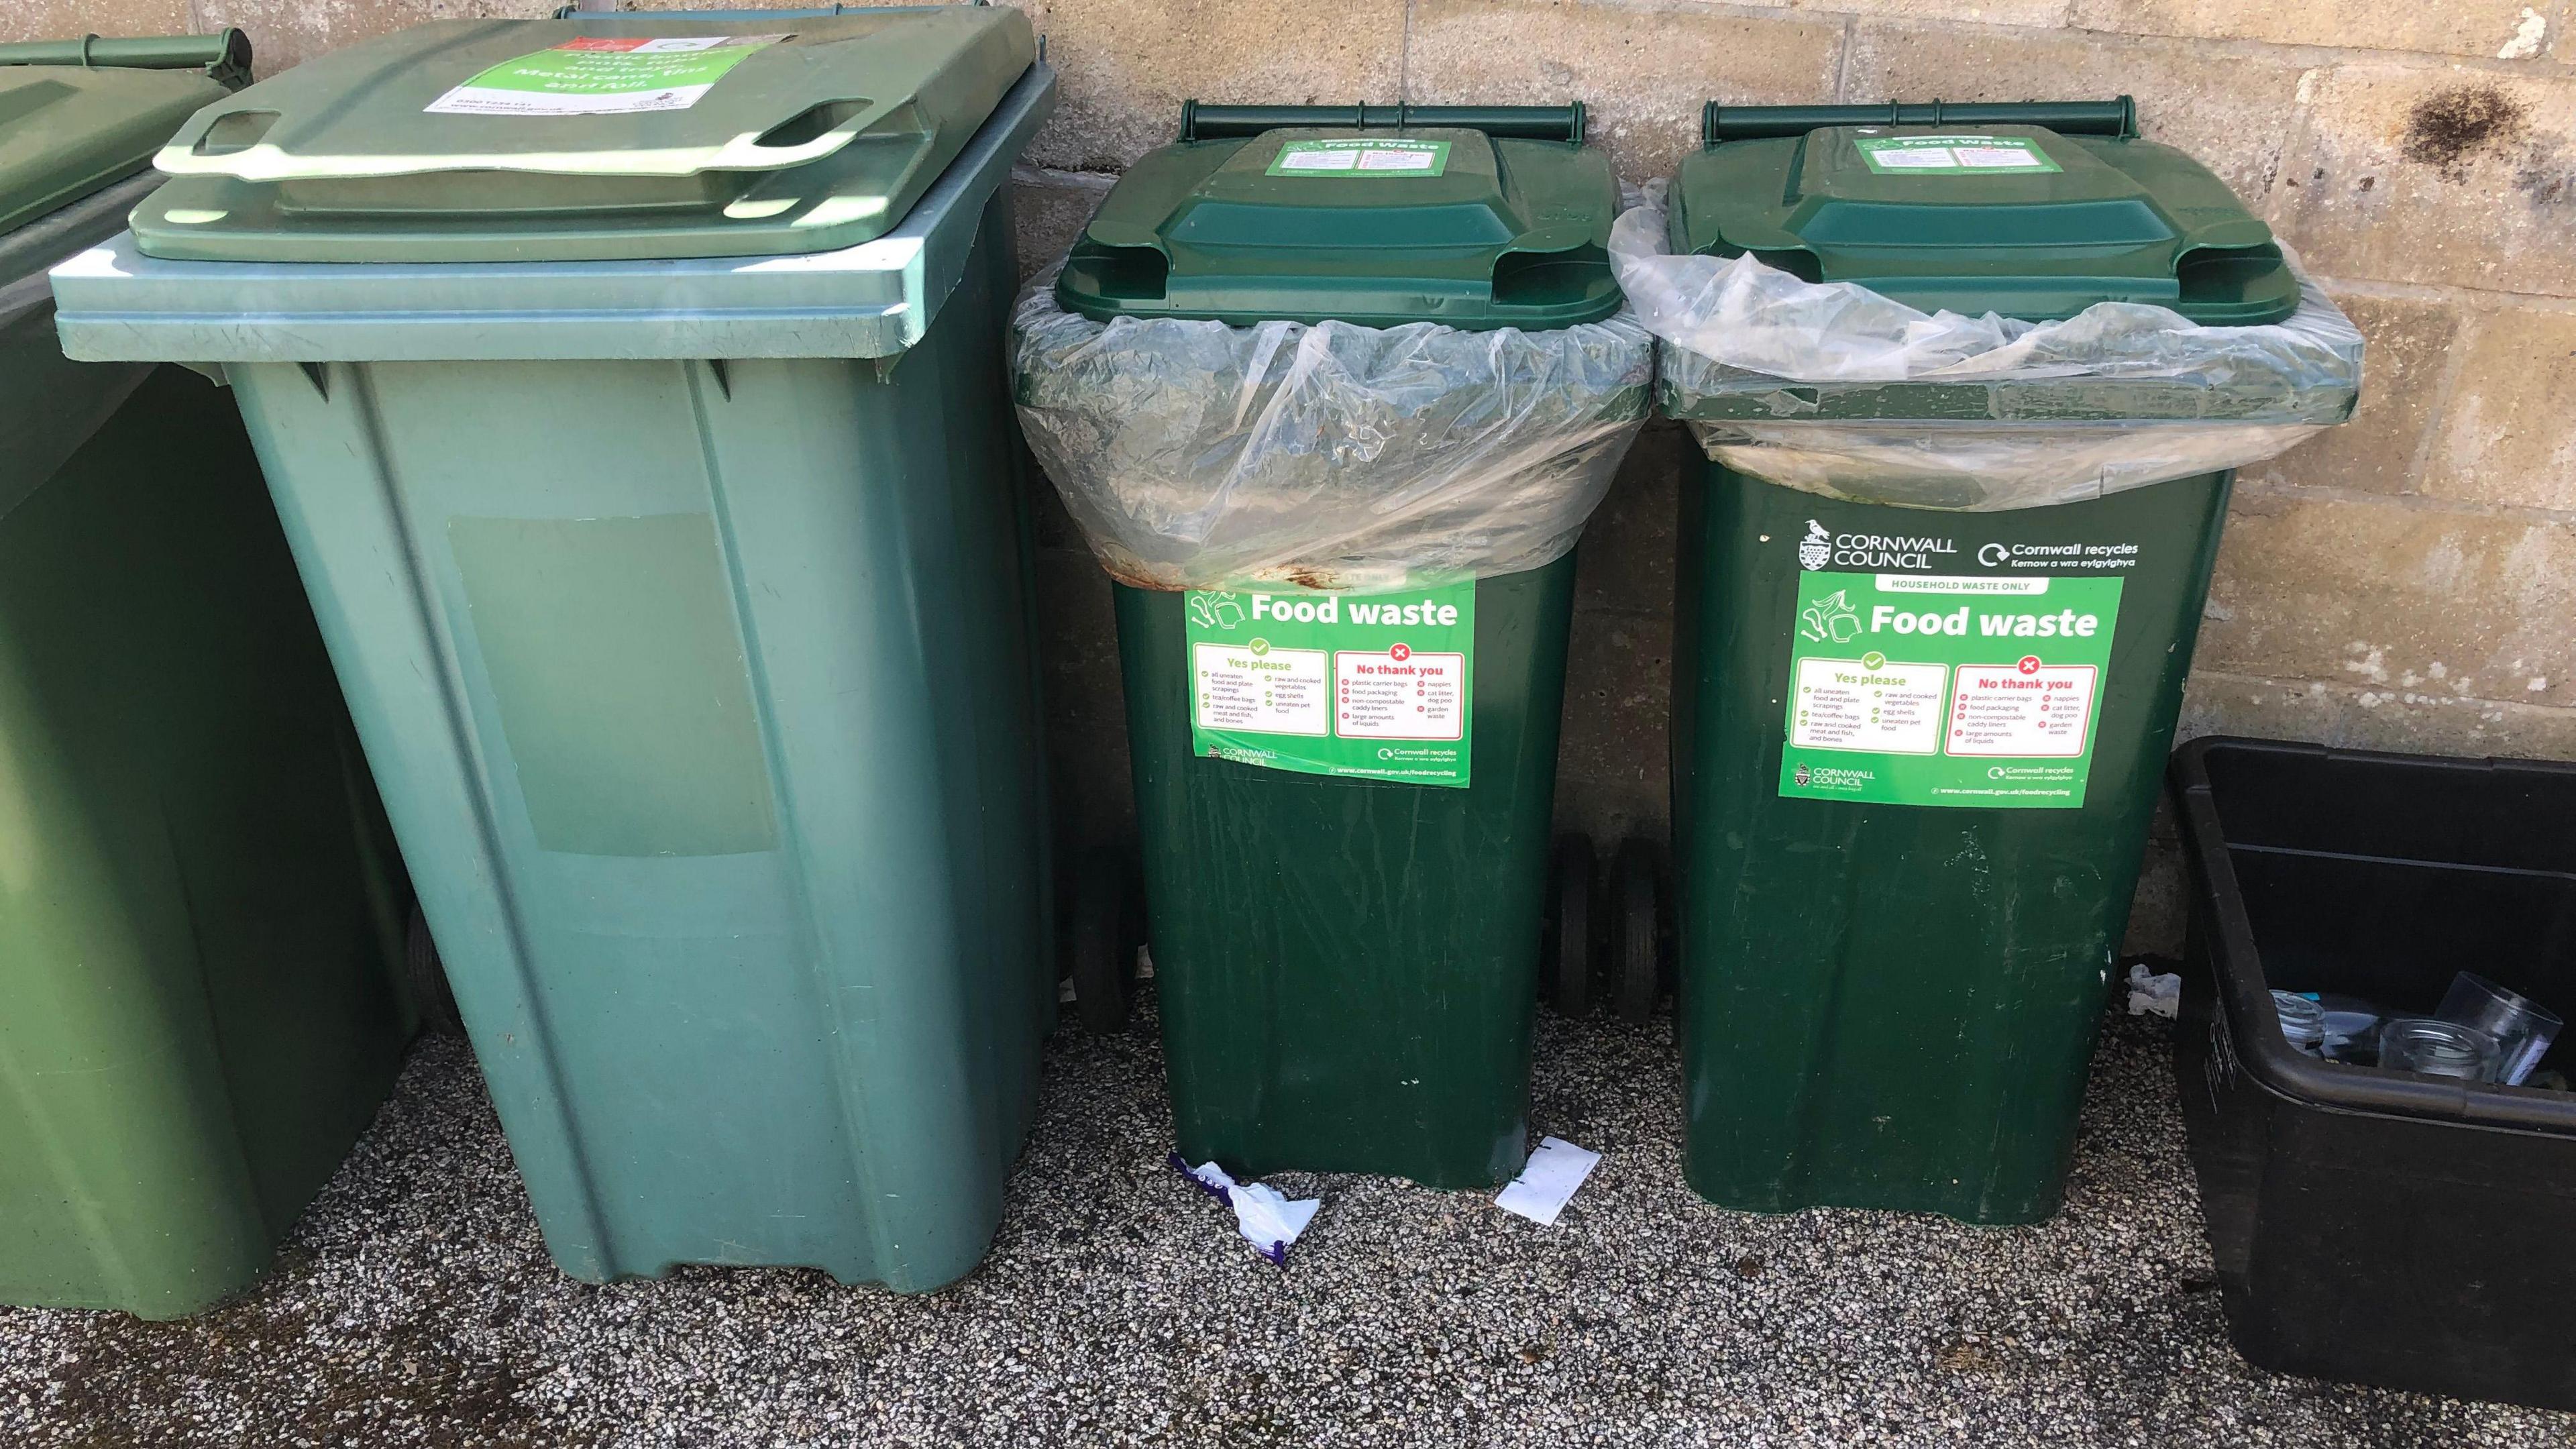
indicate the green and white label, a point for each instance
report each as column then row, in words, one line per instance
column 1361, row 157
column 1928, row 689
column 1375, row 686
column 600, row 75
column 1953, row 155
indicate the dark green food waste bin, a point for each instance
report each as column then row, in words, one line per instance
column 201, row 910
column 1933, row 631
column 630, row 387
column 1365, row 382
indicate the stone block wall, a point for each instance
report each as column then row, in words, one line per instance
column 2406, row 582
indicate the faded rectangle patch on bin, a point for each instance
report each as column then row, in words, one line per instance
column 619, row 674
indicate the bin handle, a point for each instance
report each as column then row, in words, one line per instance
column 2118, row 118
column 224, row 56
column 1203, row 122
column 745, row 153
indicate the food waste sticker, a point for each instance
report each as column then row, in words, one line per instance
column 1925, row 689
column 1361, row 156
column 599, row 75
column 1953, row 155
column 1371, row 686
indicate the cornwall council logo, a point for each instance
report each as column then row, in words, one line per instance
column 1815, row 548
column 1799, row 774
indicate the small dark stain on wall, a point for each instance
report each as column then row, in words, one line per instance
column 2451, row 126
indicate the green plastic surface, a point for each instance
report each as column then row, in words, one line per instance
column 1347, row 968
column 1892, row 1006
column 703, row 700
column 200, row 905
column 2117, row 219
column 67, row 130
column 1512, row 232
column 821, row 141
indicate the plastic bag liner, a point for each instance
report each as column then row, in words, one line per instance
column 1328, row 456
column 1835, row 389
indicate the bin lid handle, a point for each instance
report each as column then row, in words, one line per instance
column 266, row 161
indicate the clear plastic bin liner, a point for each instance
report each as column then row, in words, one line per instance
column 1836, row 389
column 1196, row 454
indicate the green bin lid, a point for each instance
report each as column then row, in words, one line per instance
column 68, row 129
column 602, row 137
column 2034, row 210
column 1473, row 217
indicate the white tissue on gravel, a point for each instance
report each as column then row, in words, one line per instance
column 415, row 1306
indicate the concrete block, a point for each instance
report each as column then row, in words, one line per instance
column 1980, row 12
column 2509, row 434
column 1084, row 701
column 2364, row 718
column 2435, row 174
column 1627, row 555
column 2487, row 28
column 70, row 19
column 2395, row 597
column 1049, row 210
column 1128, row 65
column 285, row 33
column 2158, row 910
column 1612, row 766
column 2228, row 107
column 1643, row 68
column 2411, row 341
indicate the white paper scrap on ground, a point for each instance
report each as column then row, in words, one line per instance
column 1548, row 1182
column 2151, row 992
column 1267, row 1220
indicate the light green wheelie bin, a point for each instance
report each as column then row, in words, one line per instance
column 631, row 389
column 200, row 907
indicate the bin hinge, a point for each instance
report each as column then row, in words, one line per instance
column 1201, row 122
column 224, row 56
column 1722, row 123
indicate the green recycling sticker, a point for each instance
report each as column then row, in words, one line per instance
column 599, row 75
column 1372, row 686
column 1953, row 155
column 1920, row 689
column 1360, row 156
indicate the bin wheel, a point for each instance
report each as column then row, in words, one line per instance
column 1636, row 952
column 1101, row 940
column 1571, row 952
column 426, row 977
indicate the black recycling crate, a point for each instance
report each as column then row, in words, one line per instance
column 2369, row 1225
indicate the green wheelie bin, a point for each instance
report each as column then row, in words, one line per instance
column 201, row 910
column 630, row 388
column 1937, row 600
column 1331, row 391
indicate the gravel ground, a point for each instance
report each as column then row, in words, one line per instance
column 415, row 1306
